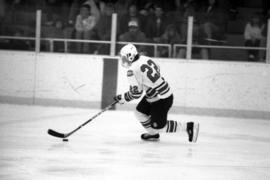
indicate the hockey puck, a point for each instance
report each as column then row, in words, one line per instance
column 65, row 139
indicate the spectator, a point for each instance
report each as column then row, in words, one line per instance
column 212, row 25
column 156, row 24
column 2, row 9
column 212, row 20
column 253, row 36
column 18, row 44
column 104, row 28
column 55, row 31
column 2, row 13
column 134, row 34
column 84, row 27
column 75, row 5
column 167, row 6
column 147, row 10
column 95, row 5
column 104, row 25
column 233, row 9
column 133, row 14
column 52, row 11
column 66, row 8
column 13, row 11
column 262, row 54
column 171, row 36
column 189, row 8
column 121, row 6
column 18, row 5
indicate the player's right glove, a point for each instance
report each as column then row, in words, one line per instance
column 120, row 99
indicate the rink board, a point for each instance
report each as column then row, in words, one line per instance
column 200, row 87
column 215, row 87
column 51, row 79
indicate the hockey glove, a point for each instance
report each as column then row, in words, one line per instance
column 120, row 99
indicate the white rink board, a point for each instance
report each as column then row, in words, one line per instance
column 69, row 77
column 196, row 84
column 228, row 85
column 218, row 85
column 58, row 76
column 16, row 74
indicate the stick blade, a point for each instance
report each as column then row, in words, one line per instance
column 55, row 134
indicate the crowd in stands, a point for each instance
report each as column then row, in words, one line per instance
column 148, row 21
column 255, row 36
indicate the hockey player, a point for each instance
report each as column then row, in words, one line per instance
column 144, row 75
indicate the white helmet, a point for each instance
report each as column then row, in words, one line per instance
column 127, row 54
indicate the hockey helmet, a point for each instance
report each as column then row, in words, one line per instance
column 128, row 54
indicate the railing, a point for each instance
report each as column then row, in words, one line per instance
column 17, row 38
column 52, row 40
column 172, row 49
column 189, row 44
column 155, row 45
column 175, row 46
column 65, row 41
column 112, row 43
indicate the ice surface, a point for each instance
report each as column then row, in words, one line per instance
column 110, row 147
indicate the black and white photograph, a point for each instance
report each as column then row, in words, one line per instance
column 134, row 89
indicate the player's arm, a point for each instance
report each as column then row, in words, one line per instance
column 135, row 89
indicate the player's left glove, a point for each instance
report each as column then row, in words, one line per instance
column 120, row 99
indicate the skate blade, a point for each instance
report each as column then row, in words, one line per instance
column 151, row 139
column 196, row 129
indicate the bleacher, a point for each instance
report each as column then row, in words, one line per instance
column 25, row 21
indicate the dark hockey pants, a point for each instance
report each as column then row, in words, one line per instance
column 158, row 111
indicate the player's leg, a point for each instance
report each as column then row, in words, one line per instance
column 159, row 113
column 143, row 115
column 191, row 128
column 153, row 117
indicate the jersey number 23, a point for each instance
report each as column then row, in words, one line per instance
column 152, row 71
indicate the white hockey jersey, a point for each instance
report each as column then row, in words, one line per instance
column 144, row 75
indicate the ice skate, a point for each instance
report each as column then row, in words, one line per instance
column 193, row 131
column 150, row 137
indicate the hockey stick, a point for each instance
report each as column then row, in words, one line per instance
column 62, row 135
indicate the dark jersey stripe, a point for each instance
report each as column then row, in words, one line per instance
column 151, row 91
column 127, row 98
column 161, row 89
column 136, row 96
column 130, row 96
column 164, row 92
